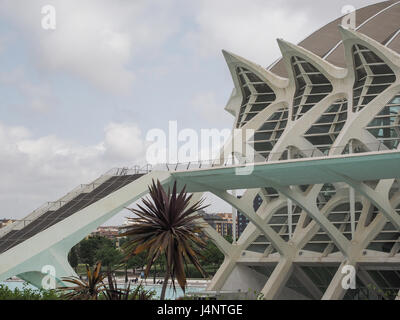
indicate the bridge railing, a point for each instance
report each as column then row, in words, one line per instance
column 286, row 154
column 52, row 206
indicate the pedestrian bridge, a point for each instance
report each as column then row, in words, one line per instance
column 45, row 236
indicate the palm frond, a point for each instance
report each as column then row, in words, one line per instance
column 166, row 223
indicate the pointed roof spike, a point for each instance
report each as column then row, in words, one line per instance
column 274, row 81
column 386, row 53
column 289, row 50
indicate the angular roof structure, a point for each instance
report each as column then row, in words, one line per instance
column 380, row 21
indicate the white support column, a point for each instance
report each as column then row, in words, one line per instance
column 280, row 245
column 219, row 241
column 381, row 202
column 352, row 212
column 290, row 204
column 234, row 216
column 222, row 274
column 335, row 291
column 308, row 283
column 234, row 220
column 249, row 235
column 340, row 240
column 395, row 248
column 277, row 281
column 290, row 218
column 352, row 201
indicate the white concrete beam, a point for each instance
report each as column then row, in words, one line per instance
column 277, row 281
column 335, row 290
column 280, row 245
column 340, row 240
column 308, row 283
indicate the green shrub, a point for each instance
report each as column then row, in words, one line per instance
column 26, row 293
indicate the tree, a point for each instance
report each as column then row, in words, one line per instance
column 109, row 257
column 212, row 255
column 73, row 258
column 167, row 225
column 89, row 247
column 136, row 261
column 229, row 238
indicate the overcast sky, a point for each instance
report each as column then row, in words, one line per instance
column 79, row 100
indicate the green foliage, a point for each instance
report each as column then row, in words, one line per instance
column 389, row 294
column 84, row 289
column 167, row 225
column 228, row 238
column 137, row 260
column 27, row 294
column 140, row 293
column 108, row 256
column 193, row 273
column 88, row 248
column 212, row 255
column 73, row 258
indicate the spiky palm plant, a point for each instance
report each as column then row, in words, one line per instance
column 112, row 292
column 84, row 289
column 167, row 224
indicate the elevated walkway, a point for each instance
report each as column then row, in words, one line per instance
column 45, row 237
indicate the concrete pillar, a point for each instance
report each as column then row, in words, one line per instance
column 222, row 274
column 335, row 290
column 308, row 283
column 278, row 279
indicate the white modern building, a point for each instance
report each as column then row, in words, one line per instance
column 335, row 93
column 327, row 128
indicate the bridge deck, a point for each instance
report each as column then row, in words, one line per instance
column 50, row 218
column 359, row 167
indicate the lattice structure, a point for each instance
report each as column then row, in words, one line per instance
column 324, row 132
column 373, row 76
column 385, row 127
column 314, row 102
column 269, row 133
column 351, row 107
column 311, row 87
column 257, row 95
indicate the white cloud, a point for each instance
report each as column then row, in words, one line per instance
column 35, row 170
column 206, row 105
column 123, row 141
column 37, row 96
column 248, row 28
column 94, row 39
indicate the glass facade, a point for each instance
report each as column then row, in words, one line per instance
column 372, row 77
column 257, row 95
column 385, row 127
column 311, row 87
